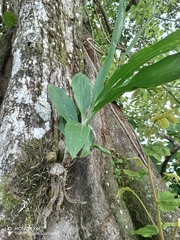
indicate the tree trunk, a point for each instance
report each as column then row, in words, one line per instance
column 49, row 47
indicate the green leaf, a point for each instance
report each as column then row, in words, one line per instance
column 119, row 82
column 167, row 202
column 62, row 125
column 173, row 176
column 104, row 150
column 162, row 119
column 162, row 123
column 112, row 162
column 135, row 39
column 170, row 224
column 157, row 150
column 123, row 190
column 138, row 175
column 63, row 103
column 119, row 161
column 82, row 92
column 75, row 136
column 147, row 231
column 164, row 71
column 86, row 149
column 102, row 74
column 9, row 19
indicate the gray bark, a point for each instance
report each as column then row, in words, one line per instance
column 48, row 49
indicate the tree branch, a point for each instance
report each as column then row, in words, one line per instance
column 107, row 23
column 168, row 85
column 176, row 147
column 170, row 93
column 106, row 20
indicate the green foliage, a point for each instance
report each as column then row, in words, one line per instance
column 88, row 144
column 117, row 162
column 160, row 12
column 147, row 231
column 101, row 77
column 159, row 73
column 137, row 175
column 25, row 190
column 164, row 119
column 128, row 77
column 76, row 136
column 9, row 19
column 63, row 103
column 82, row 93
column 136, row 38
column 171, row 224
column 152, row 66
column 167, row 202
column 123, row 81
column 150, row 105
column 152, row 110
column 161, row 19
column 157, row 150
column 104, row 150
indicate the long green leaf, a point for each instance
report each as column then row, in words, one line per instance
column 63, row 103
column 137, row 60
column 114, row 87
column 76, row 136
column 101, row 77
column 82, row 92
column 138, row 34
column 134, row 64
column 104, row 150
column 166, row 70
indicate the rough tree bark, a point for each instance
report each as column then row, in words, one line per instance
column 48, row 46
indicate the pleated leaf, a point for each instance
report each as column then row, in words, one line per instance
column 102, row 74
column 143, row 56
column 159, row 73
column 166, row 70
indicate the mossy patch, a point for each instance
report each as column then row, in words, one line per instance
column 25, row 191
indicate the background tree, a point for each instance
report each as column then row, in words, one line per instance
column 49, row 46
